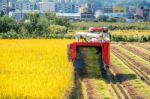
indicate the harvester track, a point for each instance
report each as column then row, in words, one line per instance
column 119, row 90
column 140, row 73
column 137, row 52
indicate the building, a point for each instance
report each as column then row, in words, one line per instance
column 87, row 12
column 106, row 10
column 72, row 16
column 87, row 16
column 22, row 5
column 3, row 6
column 119, row 9
column 46, row 6
column 146, row 14
column 67, row 7
column 18, row 15
column 142, row 14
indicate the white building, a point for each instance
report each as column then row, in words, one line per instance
column 72, row 16
column 46, row 6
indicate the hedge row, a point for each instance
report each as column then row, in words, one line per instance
column 111, row 25
column 124, row 38
column 26, row 36
column 116, row 38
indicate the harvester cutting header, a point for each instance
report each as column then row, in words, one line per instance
column 96, row 37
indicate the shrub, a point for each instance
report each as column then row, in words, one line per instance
column 57, row 29
column 144, row 39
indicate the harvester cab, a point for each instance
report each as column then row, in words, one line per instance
column 93, row 38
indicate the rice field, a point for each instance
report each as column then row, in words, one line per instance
column 39, row 69
column 36, row 69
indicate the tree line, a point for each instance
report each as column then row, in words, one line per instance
column 34, row 25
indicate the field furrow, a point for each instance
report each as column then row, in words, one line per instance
column 144, row 45
column 129, row 79
column 138, row 51
column 133, row 64
column 132, row 59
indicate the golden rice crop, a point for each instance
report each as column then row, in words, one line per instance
column 35, row 69
column 131, row 32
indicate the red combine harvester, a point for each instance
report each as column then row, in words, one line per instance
column 91, row 38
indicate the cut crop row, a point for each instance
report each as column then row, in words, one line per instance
column 132, row 63
column 138, row 51
column 106, row 77
column 144, row 45
column 128, row 78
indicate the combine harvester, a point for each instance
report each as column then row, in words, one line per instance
column 97, row 38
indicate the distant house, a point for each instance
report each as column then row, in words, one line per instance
column 119, row 9
column 87, row 16
column 106, row 9
column 142, row 14
column 87, row 12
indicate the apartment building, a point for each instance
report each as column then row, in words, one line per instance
column 22, row 5
column 67, row 7
column 46, row 6
column 3, row 5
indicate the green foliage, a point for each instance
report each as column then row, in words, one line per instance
column 7, row 24
column 62, row 21
column 57, row 29
column 111, row 25
column 31, row 22
column 112, row 20
column 124, row 38
column 144, row 38
column 33, row 25
column 102, row 18
column 57, row 20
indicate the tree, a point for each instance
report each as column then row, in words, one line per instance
column 53, row 19
column 7, row 24
column 2, row 13
column 62, row 21
column 31, row 22
column 102, row 18
column 50, row 16
column 41, row 26
column 112, row 20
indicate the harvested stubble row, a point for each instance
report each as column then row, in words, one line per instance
column 94, row 86
column 36, row 69
column 145, row 54
column 143, row 45
column 133, row 59
column 135, row 86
